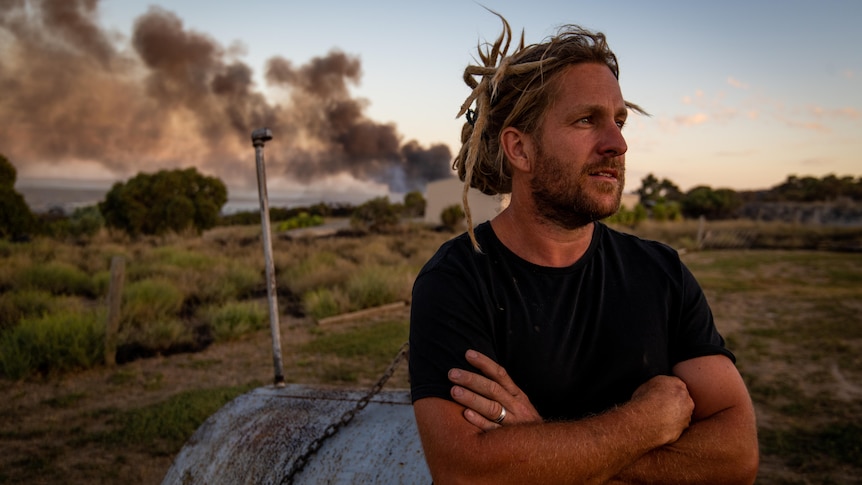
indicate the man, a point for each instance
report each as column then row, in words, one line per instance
column 544, row 346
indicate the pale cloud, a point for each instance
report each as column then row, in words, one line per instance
column 808, row 125
column 846, row 113
column 692, row 120
column 849, row 74
column 696, row 99
column 725, row 113
column 725, row 107
column 736, row 83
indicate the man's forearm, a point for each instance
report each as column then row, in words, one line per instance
column 721, row 449
column 592, row 450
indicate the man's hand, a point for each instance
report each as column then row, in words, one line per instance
column 666, row 399
column 486, row 396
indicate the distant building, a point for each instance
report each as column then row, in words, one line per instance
column 629, row 201
column 446, row 192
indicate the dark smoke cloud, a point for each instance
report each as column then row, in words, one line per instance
column 172, row 97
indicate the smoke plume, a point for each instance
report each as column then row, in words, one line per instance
column 170, row 97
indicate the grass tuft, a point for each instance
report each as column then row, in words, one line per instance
column 57, row 278
column 53, row 343
column 235, row 319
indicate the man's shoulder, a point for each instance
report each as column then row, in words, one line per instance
column 634, row 245
column 455, row 252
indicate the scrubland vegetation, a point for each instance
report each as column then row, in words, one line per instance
column 183, row 293
column 791, row 317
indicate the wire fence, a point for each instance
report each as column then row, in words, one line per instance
column 715, row 235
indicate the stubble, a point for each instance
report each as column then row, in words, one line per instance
column 571, row 200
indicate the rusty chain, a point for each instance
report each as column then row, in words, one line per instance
column 300, row 462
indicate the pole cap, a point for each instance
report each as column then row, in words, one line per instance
column 261, row 136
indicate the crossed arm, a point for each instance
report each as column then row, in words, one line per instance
column 694, row 427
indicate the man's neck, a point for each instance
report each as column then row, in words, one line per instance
column 540, row 241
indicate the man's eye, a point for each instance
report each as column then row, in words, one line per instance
column 621, row 124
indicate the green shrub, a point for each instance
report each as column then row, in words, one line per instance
column 101, row 281
column 20, row 304
column 236, row 319
column 375, row 285
column 200, row 276
column 628, row 218
column 226, row 282
column 7, row 248
column 667, row 211
column 182, row 258
column 86, row 221
column 323, row 302
column 452, row 216
column 376, row 215
column 157, row 335
column 56, row 342
column 414, row 204
column 303, row 219
column 150, row 300
column 320, row 269
column 58, row 278
column 150, row 316
column 243, row 279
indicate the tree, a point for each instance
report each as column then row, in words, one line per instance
column 16, row 220
column 167, row 201
column 666, row 211
column 376, row 215
column 414, row 204
column 712, row 204
column 8, row 174
column 452, row 216
column 626, row 217
column 653, row 191
column 812, row 189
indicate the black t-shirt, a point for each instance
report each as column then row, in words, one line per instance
column 577, row 340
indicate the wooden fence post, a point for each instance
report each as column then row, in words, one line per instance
column 701, row 231
column 115, row 296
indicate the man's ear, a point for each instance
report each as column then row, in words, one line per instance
column 518, row 148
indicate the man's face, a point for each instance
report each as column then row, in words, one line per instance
column 579, row 161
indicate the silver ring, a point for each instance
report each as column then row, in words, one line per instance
column 502, row 415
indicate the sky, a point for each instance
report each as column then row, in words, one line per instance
column 362, row 96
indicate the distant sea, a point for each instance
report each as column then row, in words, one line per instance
column 43, row 195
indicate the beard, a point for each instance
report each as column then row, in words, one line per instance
column 572, row 200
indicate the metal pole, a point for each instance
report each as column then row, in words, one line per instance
column 258, row 138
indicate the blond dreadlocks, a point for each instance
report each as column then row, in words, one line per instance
column 514, row 90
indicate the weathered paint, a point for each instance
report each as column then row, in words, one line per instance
column 255, row 439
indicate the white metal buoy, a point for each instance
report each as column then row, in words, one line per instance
column 258, row 437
